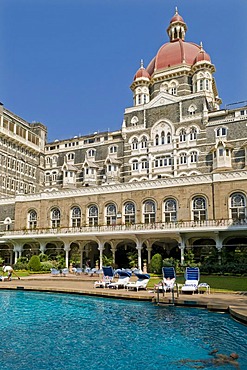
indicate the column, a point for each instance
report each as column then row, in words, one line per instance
column 149, row 249
column 218, row 244
column 18, row 248
column 100, row 248
column 42, row 247
column 139, row 250
column 181, row 246
column 67, row 249
column 113, row 245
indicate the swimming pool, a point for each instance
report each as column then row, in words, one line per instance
column 59, row 331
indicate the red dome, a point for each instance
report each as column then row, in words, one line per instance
column 177, row 18
column 176, row 53
column 202, row 56
column 141, row 73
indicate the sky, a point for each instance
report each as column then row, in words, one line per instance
column 69, row 63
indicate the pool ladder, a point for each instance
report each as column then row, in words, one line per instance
column 173, row 295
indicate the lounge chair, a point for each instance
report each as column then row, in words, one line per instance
column 108, row 275
column 65, row 271
column 192, row 277
column 123, row 279
column 55, row 272
column 91, row 272
column 169, row 278
column 141, row 283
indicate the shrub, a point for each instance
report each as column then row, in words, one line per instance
column 43, row 257
column 46, row 265
column 172, row 262
column 60, row 262
column 21, row 264
column 156, row 264
column 34, row 264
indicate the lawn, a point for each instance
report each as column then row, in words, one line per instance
column 217, row 283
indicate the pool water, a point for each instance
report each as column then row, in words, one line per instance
column 58, row 331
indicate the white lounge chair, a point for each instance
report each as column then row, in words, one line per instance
column 55, row 272
column 65, row 271
column 108, row 275
column 192, row 277
column 123, row 279
column 141, row 282
column 169, row 278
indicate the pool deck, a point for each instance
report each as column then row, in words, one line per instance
column 234, row 303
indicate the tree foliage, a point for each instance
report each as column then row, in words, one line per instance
column 34, row 264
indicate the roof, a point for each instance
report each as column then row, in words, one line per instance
column 176, row 53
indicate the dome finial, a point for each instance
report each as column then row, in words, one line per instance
column 176, row 10
column 142, row 63
column 201, row 45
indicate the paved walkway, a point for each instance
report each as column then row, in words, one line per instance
column 235, row 303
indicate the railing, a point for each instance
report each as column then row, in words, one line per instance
column 155, row 227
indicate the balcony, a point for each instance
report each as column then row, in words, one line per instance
column 159, row 229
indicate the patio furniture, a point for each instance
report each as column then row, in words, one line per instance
column 123, row 279
column 141, row 283
column 192, row 277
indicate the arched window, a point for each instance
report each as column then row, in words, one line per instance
column 54, row 176
column 169, row 138
column 182, row 135
column 149, row 211
column 129, row 213
column 222, row 131
column 91, row 153
column 162, row 137
column 71, row 156
column 200, row 85
column 183, row 158
column 47, row 177
column 144, row 164
column 193, row 157
column 113, row 149
column 111, row 214
column 54, row 160
column 75, row 217
column 93, row 216
column 199, row 209
column 134, row 144
column 173, row 89
column 170, row 210
column 156, row 139
column 32, row 219
column 192, row 110
column 144, row 142
column 193, row 133
column 238, row 206
column 135, row 165
column 55, row 217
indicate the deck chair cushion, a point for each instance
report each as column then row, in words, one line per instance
column 191, row 283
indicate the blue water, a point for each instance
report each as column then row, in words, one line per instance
column 59, row 332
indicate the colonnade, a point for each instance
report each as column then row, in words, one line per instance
column 182, row 240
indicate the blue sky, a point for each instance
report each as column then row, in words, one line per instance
column 69, row 63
